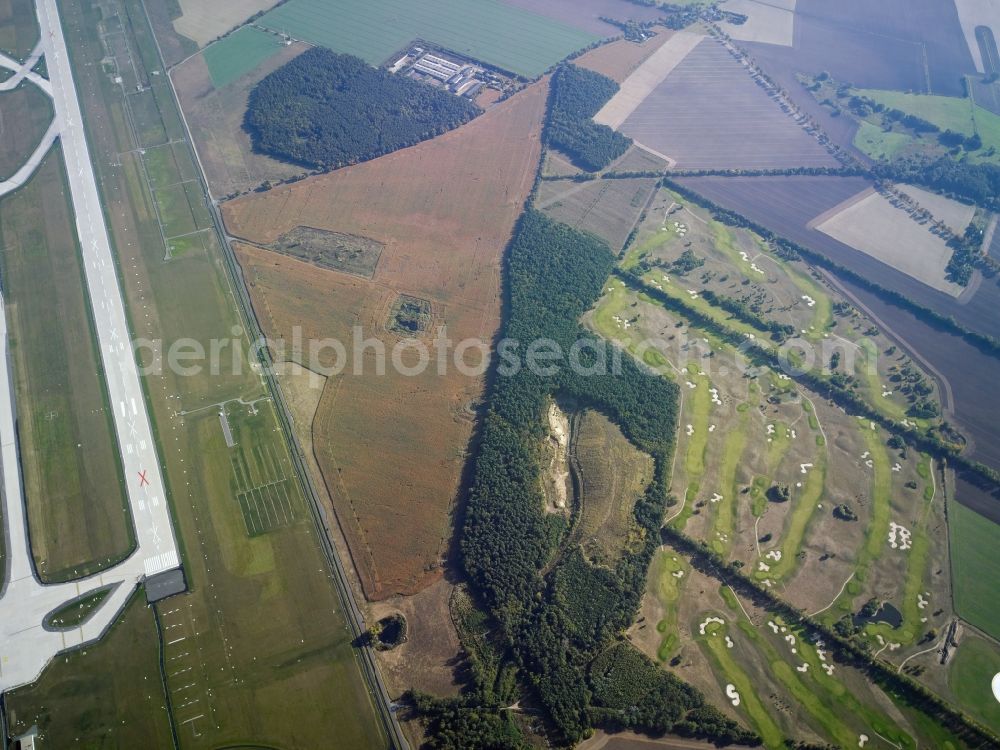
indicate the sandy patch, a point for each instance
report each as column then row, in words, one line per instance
column 771, row 22
column 875, row 227
column 996, row 686
column 204, row 21
column 647, row 77
column 973, row 13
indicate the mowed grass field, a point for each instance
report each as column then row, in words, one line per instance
column 25, row 114
column 392, row 448
column 239, row 53
column 975, row 567
column 265, row 657
column 970, row 676
column 72, row 479
column 488, row 30
column 84, row 696
column 18, row 27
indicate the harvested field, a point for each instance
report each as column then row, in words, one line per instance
column 607, row 208
column 767, row 22
column 870, row 223
column 612, row 475
column 202, row 22
column 215, row 116
column 907, row 45
column 689, row 117
column 954, row 214
column 618, row 59
column 586, row 14
column 642, row 81
column 380, row 439
column 638, row 159
column 487, row 30
column 431, row 656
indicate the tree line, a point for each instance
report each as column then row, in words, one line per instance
column 325, row 110
column 575, row 96
column 557, row 614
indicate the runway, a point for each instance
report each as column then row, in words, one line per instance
column 25, row 645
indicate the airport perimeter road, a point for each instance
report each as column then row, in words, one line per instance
column 141, row 465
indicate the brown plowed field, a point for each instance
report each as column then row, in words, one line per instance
column 392, row 448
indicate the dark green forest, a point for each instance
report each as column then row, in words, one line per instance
column 576, row 95
column 323, row 110
column 561, row 617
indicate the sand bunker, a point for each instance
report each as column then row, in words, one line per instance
column 996, row 686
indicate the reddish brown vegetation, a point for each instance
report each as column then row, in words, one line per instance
column 391, row 449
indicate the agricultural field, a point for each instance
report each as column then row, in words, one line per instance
column 767, row 22
column 490, row 31
column 290, row 677
column 586, row 15
column 869, row 223
column 18, row 28
column 688, row 117
column 239, row 53
column 215, row 116
column 443, row 229
column 25, row 114
column 619, row 59
column 73, row 486
column 975, row 567
column 202, row 22
column 608, row 208
column 897, row 44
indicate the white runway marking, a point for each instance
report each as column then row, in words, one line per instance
column 25, row 646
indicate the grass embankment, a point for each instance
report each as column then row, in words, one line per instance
column 77, row 511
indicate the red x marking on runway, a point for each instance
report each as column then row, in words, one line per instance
column 142, row 478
